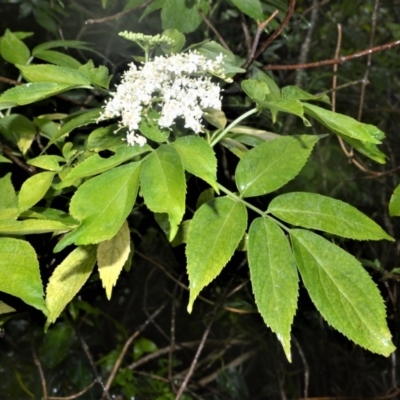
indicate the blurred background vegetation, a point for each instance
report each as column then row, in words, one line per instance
column 241, row 358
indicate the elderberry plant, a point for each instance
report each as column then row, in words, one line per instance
column 161, row 124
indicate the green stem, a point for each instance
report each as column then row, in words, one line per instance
column 251, row 207
column 215, row 140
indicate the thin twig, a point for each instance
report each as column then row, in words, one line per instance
column 76, row 395
column 278, row 31
column 116, row 16
column 38, row 364
column 369, row 59
column 125, row 349
column 196, row 356
column 260, row 29
column 9, row 153
column 86, row 350
column 306, row 367
column 340, row 60
column 215, row 30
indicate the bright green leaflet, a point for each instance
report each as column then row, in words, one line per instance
column 342, row 291
column 214, row 233
column 13, row 50
column 31, row 226
column 311, row 210
column 19, row 272
column 8, row 199
column 163, row 185
column 273, row 278
column 252, row 8
column 394, row 204
column 198, row 158
column 67, row 279
column 102, row 204
column 180, row 15
column 34, row 189
column 269, row 166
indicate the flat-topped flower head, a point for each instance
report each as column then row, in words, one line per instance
column 178, row 86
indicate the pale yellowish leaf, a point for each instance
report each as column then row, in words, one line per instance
column 111, row 257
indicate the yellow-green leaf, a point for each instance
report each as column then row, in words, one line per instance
column 67, row 279
column 111, row 257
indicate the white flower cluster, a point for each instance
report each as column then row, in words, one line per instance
column 176, row 86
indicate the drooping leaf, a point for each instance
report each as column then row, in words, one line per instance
column 341, row 124
column 311, row 210
column 149, row 128
column 49, row 162
column 369, row 150
column 19, row 130
column 216, row 118
column 58, row 58
column 295, row 93
column 180, row 15
column 8, row 199
column 255, row 89
column 214, row 233
column 74, row 121
column 342, row 291
column 163, row 185
column 198, row 158
column 273, row 278
column 54, row 74
column 96, row 165
column 290, row 106
column 111, row 257
column 252, row 8
column 30, row 92
column 67, row 279
column 97, row 75
column 102, row 204
column 270, row 165
column 5, row 308
column 178, row 38
column 51, row 214
column 19, row 272
column 13, row 50
column 34, row 189
column 106, row 138
column 31, row 226
column 394, row 204
column 74, row 44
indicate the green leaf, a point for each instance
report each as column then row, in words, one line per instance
column 149, row 127
column 216, row 118
column 269, row 166
column 252, row 8
column 369, row 150
column 178, row 38
column 47, row 162
column 102, row 204
column 96, row 165
column 394, row 204
column 57, row 58
column 180, row 15
column 273, row 278
column 98, row 76
column 290, row 106
column 54, row 74
column 30, row 92
column 311, row 210
column 19, row 272
column 198, row 158
column 67, row 279
column 81, row 118
column 143, row 346
column 295, row 93
column 74, row 44
column 8, row 199
column 163, row 185
column 50, row 214
column 5, row 160
column 342, row 125
column 111, row 257
column 5, row 308
column 106, row 138
column 19, row 130
column 153, row 6
column 255, row 89
column 342, row 291
column 31, row 226
column 214, row 234
column 13, row 49
column 34, row 189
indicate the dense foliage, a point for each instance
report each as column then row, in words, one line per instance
column 194, row 163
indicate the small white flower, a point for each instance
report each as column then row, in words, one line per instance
column 178, row 84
